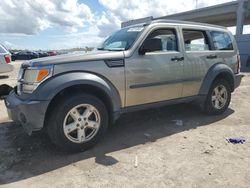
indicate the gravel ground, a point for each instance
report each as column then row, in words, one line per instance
column 143, row 149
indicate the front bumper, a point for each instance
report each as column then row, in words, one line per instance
column 237, row 80
column 30, row 114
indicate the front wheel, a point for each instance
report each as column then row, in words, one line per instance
column 77, row 122
column 218, row 98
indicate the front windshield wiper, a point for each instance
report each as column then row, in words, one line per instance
column 101, row 49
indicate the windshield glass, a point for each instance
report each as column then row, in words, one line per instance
column 2, row 49
column 122, row 39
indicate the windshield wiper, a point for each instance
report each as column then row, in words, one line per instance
column 101, row 49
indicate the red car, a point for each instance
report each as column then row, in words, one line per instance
column 52, row 53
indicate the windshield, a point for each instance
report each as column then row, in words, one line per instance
column 122, row 39
column 3, row 49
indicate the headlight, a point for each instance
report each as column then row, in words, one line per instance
column 32, row 77
column 36, row 75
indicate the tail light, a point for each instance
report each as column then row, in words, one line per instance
column 7, row 58
column 238, row 64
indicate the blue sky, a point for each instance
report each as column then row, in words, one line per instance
column 60, row 24
column 94, row 5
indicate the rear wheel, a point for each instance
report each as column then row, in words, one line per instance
column 218, row 98
column 77, row 122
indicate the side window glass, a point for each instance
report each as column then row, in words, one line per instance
column 167, row 39
column 195, row 40
column 221, row 40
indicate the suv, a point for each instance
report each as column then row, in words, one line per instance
column 5, row 60
column 75, row 96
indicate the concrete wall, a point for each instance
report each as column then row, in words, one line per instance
column 243, row 42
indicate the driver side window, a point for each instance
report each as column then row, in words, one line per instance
column 163, row 40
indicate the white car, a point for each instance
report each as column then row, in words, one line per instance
column 5, row 60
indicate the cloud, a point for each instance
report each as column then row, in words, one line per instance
column 118, row 11
column 32, row 16
column 107, row 23
column 88, row 38
column 131, row 9
column 27, row 18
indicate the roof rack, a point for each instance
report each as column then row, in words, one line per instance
column 151, row 20
column 160, row 20
column 137, row 21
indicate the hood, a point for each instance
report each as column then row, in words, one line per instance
column 72, row 58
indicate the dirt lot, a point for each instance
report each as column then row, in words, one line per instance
column 143, row 149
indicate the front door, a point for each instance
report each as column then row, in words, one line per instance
column 156, row 75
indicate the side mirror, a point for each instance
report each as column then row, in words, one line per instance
column 150, row 45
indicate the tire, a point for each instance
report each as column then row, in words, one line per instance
column 65, row 128
column 217, row 104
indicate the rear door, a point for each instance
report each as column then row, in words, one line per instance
column 157, row 75
column 224, row 49
column 198, row 57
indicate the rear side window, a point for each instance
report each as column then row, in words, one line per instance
column 221, row 40
column 195, row 40
column 168, row 39
column 2, row 50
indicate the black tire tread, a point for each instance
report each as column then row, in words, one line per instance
column 56, row 117
column 208, row 107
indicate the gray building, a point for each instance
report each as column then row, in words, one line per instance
column 235, row 13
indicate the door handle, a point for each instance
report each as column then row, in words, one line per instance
column 177, row 59
column 211, row 56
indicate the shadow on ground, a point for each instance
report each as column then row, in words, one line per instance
column 35, row 155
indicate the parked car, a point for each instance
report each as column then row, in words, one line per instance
column 74, row 97
column 5, row 60
column 25, row 55
column 43, row 54
column 52, row 53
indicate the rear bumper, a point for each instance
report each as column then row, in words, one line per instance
column 237, row 80
column 6, row 68
column 30, row 114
